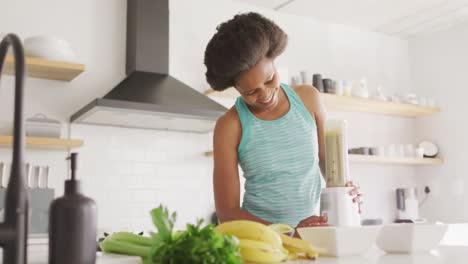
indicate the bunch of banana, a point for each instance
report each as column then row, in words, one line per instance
column 257, row 242
column 297, row 248
column 267, row 244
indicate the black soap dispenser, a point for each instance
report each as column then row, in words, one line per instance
column 72, row 224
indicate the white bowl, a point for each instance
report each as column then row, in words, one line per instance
column 410, row 238
column 341, row 241
column 41, row 126
column 49, row 47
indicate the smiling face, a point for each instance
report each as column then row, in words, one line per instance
column 259, row 86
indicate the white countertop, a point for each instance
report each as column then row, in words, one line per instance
column 37, row 254
column 454, row 250
column 41, row 258
column 441, row 255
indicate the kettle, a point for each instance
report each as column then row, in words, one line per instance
column 407, row 205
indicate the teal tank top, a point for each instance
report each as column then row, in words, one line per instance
column 280, row 162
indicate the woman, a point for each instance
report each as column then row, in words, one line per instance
column 274, row 131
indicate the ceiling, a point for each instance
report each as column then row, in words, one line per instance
column 400, row 18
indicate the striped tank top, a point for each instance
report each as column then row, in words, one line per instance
column 280, row 162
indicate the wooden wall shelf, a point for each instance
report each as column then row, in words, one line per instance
column 45, row 69
column 44, row 143
column 383, row 160
column 353, row 104
column 395, row 160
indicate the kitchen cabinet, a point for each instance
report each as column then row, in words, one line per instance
column 46, row 69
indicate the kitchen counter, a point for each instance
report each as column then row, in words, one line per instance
column 441, row 255
column 40, row 257
column 453, row 250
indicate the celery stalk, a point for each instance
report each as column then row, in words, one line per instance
column 132, row 238
column 110, row 245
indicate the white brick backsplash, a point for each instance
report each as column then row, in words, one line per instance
column 142, row 211
column 157, row 156
column 151, row 180
column 100, row 196
column 121, row 195
column 113, row 183
column 177, row 156
column 121, row 167
column 140, row 168
column 133, row 154
column 143, row 195
column 132, row 181
column 115, row 154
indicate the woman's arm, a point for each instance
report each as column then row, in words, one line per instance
column 310, row 96
column 227, row 135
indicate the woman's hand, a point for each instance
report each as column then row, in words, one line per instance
column 313, row 221
column 310, row 222
column 356, row 194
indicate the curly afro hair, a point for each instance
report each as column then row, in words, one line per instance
column 238, row 45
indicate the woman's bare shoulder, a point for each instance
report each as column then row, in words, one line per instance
column 310, row 97
column 228, row 126
column 229, row 119
column 306, row 91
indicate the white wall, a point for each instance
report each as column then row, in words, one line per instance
column 439, row 63
column 130, row 171
column 336, row 51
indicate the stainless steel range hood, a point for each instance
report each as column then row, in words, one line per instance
column 149, row 97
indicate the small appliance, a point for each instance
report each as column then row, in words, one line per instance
column 336, row 203
column 407, row 205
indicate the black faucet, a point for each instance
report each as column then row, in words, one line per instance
column 14, row 229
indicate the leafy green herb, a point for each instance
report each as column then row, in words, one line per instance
column 195, row 245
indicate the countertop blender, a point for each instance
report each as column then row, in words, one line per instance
column 335, row 201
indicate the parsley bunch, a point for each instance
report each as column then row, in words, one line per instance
column 196, row 245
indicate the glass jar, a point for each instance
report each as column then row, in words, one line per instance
column 336, row 148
